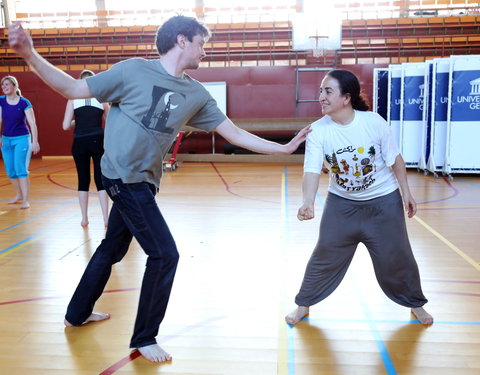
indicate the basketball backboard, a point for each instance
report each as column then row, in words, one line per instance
column 317, row 28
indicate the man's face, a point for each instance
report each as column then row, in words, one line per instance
column 194, row 51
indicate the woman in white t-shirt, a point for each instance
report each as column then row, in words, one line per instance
column 364, row 204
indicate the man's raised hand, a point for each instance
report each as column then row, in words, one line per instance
column 19, row 40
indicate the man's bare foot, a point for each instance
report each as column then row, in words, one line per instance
column 94, row 317
column 15, row 200
column 154, row 353
column 424, row 317
column 25, row 205
column 296, row 315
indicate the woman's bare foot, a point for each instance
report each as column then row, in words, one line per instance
column 25, row 205
column 94, row 317
column 424, row 317
column 15, row 200
column 296, row 315
column 154, row 353
column 84, row 223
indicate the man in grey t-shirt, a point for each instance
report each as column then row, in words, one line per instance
column 151, row 101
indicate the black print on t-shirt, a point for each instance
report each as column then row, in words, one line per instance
column 159, row 112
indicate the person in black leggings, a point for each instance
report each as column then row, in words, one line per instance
column 86, row 116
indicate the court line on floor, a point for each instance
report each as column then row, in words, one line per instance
column 21, row 244
column 288, row 358
column 32, row 175
column 26, row 300
column 449, row 208
column 135, row 354
column 390, row 321
column 468, row 259
column 11, row 249
column 380, row 343
column 474, row 184
column 230, row 191
column 39, row 215
column 454, row 194
column 451, row 281
column 50, row 178
column 455, row 293
column 285, row 356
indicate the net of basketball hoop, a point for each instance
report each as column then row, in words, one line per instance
column 318, row 49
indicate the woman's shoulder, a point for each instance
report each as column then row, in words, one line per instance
column 369, row 114
column 25, row 102
column 320, row 127
column 371, row 118
column 322, row 122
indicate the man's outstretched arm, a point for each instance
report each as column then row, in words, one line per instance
column 21, row 42
column 237, row 136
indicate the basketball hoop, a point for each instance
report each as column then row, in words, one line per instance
column 317, row 33
column 318, row 50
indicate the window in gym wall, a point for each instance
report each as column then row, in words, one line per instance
column 54, row 13
column 53, row 6
column 248, row 10
column 177, row 6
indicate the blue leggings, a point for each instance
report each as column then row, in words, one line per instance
column 16, row 153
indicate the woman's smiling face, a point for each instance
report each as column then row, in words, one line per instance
column 8, row 87
column 331, row 98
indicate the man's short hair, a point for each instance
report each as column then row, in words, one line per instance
column 178, row 25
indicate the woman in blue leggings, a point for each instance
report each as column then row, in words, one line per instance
column 18, row 140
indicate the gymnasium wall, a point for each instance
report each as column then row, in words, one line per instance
column 252, row 93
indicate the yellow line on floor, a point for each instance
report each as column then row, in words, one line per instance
column 445, row 207
column 16, row 248
column 449, row 244
column 282, row 358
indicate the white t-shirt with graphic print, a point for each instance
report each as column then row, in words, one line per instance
column 359, row 155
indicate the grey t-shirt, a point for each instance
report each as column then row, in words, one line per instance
column 149, row 107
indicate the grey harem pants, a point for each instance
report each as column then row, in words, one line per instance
column 379, row 224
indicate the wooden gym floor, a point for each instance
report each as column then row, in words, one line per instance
column 243, row 253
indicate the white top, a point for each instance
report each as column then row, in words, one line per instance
column 77, row 103
column 358, row 155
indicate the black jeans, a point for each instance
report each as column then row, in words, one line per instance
column 134, row 213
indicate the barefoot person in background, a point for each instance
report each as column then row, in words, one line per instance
column 86, row 117
column 368, row 180
column 151, row 101
column 18, row 141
